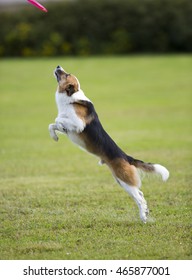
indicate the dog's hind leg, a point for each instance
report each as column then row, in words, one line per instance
column 138, row 196
column 128, row 177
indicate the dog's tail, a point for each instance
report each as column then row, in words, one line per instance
column 151, row 168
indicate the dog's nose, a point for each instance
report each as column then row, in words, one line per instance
column 58, row 67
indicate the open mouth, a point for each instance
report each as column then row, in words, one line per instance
column 59, row 71
column 57, row 76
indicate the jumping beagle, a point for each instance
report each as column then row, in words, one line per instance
column 78, row 119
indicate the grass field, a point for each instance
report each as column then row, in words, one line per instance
column 55, row 201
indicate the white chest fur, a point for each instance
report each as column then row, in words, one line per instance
column 67, row 116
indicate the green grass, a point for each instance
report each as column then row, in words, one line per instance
column 55, row 201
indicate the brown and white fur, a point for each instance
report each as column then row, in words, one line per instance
column 78, row 119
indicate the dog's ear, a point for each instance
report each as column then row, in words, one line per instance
column 70, row 89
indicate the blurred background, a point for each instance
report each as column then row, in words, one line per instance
column 95, row 27
column 51, row 205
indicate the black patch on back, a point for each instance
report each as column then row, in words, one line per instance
column 99, row 138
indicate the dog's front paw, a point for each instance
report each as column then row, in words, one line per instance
column 61, row 128
column 55, row 137
column 52, row 132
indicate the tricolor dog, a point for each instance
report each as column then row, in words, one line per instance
column 78, row 119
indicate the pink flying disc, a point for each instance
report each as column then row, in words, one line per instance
column 39, row 6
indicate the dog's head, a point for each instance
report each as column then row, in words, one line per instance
column 67, row 83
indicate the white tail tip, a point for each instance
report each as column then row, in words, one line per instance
column 161, row 170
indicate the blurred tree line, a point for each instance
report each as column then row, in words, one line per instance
column 89, row 27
